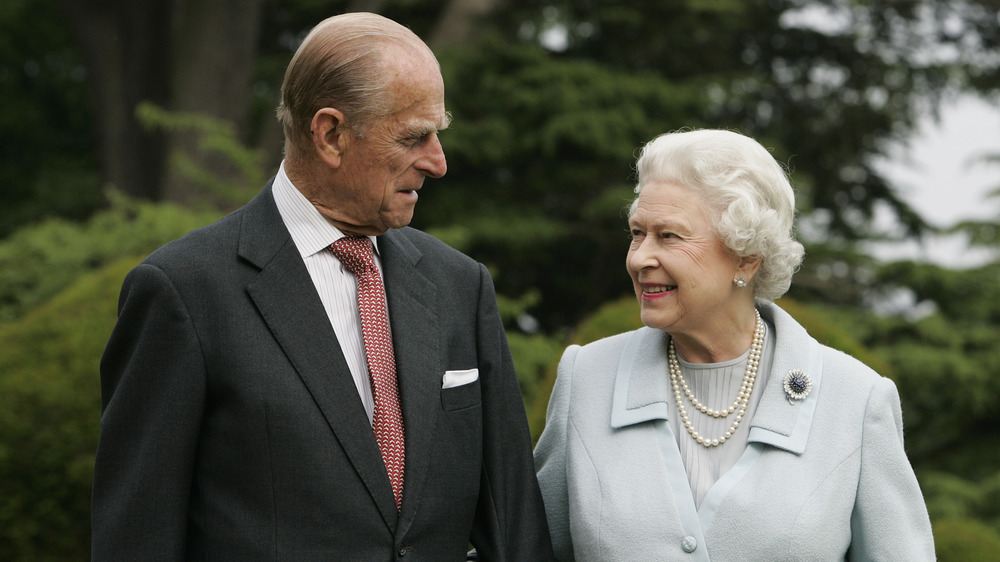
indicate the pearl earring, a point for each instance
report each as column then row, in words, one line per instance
column 740, row 281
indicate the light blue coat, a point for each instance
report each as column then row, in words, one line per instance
column 825, row 478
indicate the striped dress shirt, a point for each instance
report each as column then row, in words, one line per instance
column 338, row 289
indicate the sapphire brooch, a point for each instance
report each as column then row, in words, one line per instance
column 797, row 385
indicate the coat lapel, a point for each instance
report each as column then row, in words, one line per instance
column 287, row 300
column 641, row 390
column 412, row 302
column 778, row 422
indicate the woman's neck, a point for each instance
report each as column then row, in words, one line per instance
column 723, row 341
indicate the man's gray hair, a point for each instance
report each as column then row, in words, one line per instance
column 340, row 64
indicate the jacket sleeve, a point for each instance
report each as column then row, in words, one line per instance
column 510, row 517
column 889, row 518
column 550, row 458
column 152, row 391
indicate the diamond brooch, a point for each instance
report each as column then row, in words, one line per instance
column 797, row 385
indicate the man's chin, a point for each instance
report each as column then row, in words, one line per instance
column 398, row 220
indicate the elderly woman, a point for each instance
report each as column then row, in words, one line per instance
column 722, row 430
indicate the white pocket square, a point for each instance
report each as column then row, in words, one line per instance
column 458, row 378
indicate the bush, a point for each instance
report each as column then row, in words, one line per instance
column 38, row 261
column 965, row 540
column 49, row 409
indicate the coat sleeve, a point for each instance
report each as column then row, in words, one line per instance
column 550, row 458
column 510, row 517
column 890, row 517
column 152, row 391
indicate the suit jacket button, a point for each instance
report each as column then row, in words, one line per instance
column 689, row 544
column 402, row 551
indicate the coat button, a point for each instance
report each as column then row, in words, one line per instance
column 689, row 544
column 402, row 551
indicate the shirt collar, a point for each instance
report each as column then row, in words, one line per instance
column 310, row 230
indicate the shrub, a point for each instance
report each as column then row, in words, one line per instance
column 38, row 261
column 49, row 409
column 965, row 540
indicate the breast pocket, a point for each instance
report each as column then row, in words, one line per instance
column 461, row 397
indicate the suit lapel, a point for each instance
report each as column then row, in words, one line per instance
column 287, row 300
column 412, row 302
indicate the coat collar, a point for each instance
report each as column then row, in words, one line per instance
column 642, row 391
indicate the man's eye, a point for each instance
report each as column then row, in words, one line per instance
column 415, row 140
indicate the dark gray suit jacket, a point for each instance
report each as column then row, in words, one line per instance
column 232, row 430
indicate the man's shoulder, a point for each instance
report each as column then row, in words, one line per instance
column 430, row 246
column 213, row 243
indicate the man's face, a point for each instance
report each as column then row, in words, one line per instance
column 382, row 170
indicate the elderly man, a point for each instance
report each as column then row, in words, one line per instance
column 308, row 379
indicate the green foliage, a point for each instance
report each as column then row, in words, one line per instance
column 540, row 159
column 38, row 261
column 49, row 410
column 535, row 357
column 615, row 317
column 815, row 319
column 826, row 94
column 971, row 296
column 965, row 540
column 540, row 171
column 952, row 497
column 216, row 140
column 48, row 156
column 947, row 361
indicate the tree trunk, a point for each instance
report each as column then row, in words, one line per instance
column 214, row 55
column 184, row 55
column 459, row 22
column 125, row 47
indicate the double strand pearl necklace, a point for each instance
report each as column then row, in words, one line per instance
column 739, row 405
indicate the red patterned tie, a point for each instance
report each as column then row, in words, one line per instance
column 356, row 255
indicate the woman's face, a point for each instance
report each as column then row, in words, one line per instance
column 682, row 273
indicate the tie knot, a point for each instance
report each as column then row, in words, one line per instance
column 355, row 252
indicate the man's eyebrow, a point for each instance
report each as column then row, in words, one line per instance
column 445, row 121
column 421, row 128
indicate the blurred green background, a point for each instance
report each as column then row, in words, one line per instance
column 124, row 124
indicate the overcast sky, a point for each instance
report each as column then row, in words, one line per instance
column 936, row 174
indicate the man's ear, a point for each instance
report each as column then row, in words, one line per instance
column 330, row 135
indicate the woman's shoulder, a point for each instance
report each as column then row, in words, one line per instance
column 608, row 343
column 597, row 363
column 609, row 348
column 848, row 374
column 837, row 365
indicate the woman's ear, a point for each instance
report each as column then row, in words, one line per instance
column 330, row 135
column 748, row 267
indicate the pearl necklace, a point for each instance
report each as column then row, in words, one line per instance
column 739, row 405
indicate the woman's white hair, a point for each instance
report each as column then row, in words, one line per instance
column 747, row 189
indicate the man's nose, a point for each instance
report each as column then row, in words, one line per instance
column 434, row 163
